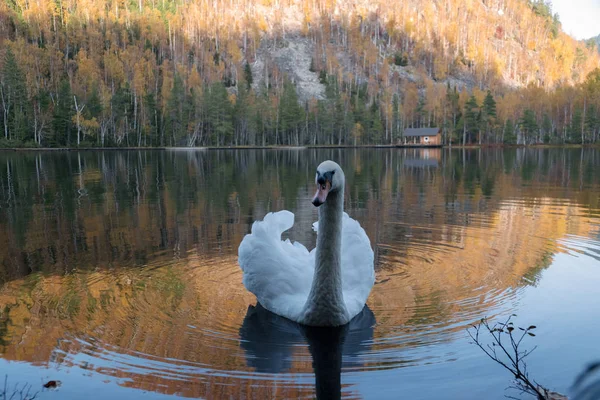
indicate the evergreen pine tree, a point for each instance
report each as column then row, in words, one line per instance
column 153, row 115
column 248, row 75
column 592, row 121
column 547, row 128
column 489, row 105
column 575, row 127
column 376, row 127
column 94, row 105
column 396, row 122
column 489, row 113
column 290, row 113
column 219, row 115
column 242, row 115
column 14, row 92
column 459, row 130
column 509, row 132
column 63, row 113
column 323, row 77
column 122, row 109
column 471, row 114
column 176, row 123
column 528, row 125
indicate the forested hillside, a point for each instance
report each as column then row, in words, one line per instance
column 595, row 41
column 269, row 72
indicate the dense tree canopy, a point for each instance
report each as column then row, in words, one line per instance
column 188, row 73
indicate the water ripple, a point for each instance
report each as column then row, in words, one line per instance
column 138, row 279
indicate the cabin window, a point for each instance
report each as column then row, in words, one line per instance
column 426, row 139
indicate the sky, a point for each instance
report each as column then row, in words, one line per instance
column 579, row 18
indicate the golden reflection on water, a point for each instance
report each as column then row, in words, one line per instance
column 171, row 322
column 188, row 311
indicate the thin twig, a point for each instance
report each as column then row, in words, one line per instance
column 516, row 364
column 18, row 394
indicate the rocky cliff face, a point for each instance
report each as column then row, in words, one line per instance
column 293, row 56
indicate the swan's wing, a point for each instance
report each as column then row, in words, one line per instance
column 358, row 274
column 279, row 273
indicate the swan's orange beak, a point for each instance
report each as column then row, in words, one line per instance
column 321, row 195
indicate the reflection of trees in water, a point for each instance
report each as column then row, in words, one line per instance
column 93, row 209
column 452, row 239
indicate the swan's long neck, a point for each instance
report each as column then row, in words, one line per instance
column 325, row 304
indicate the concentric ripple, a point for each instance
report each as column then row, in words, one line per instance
column 137, row 284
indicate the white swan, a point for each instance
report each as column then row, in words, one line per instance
column 325, row 287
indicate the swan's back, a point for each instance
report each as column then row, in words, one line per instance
column 280, row 272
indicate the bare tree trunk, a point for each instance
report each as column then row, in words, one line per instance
column 583, row 120
column 192, row 139
column 5, row 109
column 78, row 111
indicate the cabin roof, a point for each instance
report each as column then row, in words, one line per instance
column 412, row 132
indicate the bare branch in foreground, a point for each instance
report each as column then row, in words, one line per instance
column 17, row 393
column 505, row 350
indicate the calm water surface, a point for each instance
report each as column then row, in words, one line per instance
column 119, row 275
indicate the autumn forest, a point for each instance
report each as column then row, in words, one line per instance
column 125, row 73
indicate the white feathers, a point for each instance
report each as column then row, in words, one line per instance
column 280, row 273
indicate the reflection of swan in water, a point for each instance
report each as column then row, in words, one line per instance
column 325, row 287
column 269, row 340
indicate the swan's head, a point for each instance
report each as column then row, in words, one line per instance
column 329, row 179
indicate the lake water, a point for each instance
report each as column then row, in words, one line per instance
column 119, row 274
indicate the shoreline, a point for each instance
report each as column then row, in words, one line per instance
column 372, row 146
column 210, row 148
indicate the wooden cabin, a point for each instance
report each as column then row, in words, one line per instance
column 422, row 137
